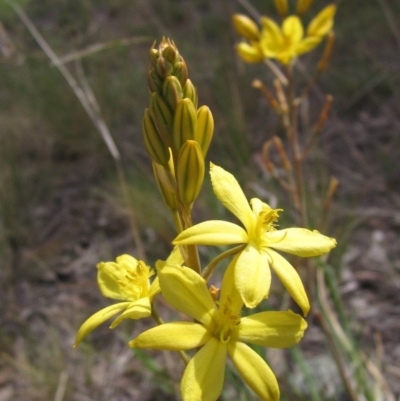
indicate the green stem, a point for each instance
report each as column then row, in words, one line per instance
column 208, row 271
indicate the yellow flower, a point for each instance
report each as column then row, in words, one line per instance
column 127, row 280
column 288, row 42
column 220, row 332
column 252, row 272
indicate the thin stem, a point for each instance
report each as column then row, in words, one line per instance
column 208, row 271
column 159, row 321
column 295, row 147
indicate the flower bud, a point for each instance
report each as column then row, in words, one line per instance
column 181, row 72
column 246, row 27
column 172, row 91
column 282, row 7
column 154, row 145
column 190, row 172
column 153, row 55
column 250, row 53
column 162, row 117
column 205, row 128
column 189, row 91
column 162, row 180
column 154, row 81
column 303, row 6
column 184, row 123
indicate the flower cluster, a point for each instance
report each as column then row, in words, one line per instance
column 177, row 135
column 286, row 42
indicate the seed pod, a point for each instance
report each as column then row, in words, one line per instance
column 184, row 124
column 172, row 91
column 205, row 129
column 190, row 92
column 190, row 172
column 152, row 141
column 162, row 117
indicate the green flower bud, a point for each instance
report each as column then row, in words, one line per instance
column 153, row 55
column 181, row 72
column 170, row 54
column 172, row 91
column 190, row 172
column 152, row 141
column 162, row 180
column 205, row 128
column 184, row 124
column 190, row 92
column 154, row 81
column 164, row 68
column 162, row 117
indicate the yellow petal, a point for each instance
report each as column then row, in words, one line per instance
column 254, row 371
column 98, row 318
column 176, row 336
column 322, row 23
column 186, row 291
column 136, row 310
column 271, row 40
column 175, row 257
column 307, row 44
column 154, row 288
column 246, row 26
column 299, row 242
column 229, row 292
column 293, row 29
column 213, row 232
column 290, row 279
column 204, row 375
column 250, row 53
column 252, row 276
column 228, row 191
column 272, row 329
column 110, row 273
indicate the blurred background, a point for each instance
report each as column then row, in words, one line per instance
column 62, row 209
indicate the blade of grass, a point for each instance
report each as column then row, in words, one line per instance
column 87, row 100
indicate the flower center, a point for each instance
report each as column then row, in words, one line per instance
column 136, row 279
column 266, row 221
column 228, row 324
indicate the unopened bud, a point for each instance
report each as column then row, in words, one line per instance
column 152, row 141
column 189, row 91
column 154, row 81
column 303, row 6
column 184, row 123
column 162, row 182
column 282, row 7
column 205, row 128
column 170, row 54
column 181, row 72
column 190, row 172
column 246, row 27
column 164, row 68
column 327, row 54
column 162, row 117
column 172, row 91
column 153, row 55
